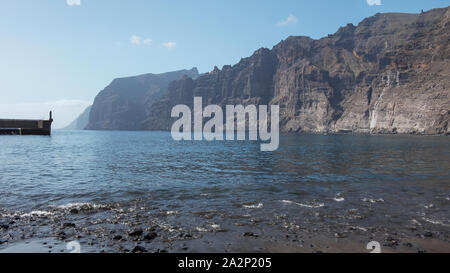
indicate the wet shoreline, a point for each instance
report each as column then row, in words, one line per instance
column 112, row 228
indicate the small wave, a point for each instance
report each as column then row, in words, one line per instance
column 338, row 197
column 257, row 206
column 82, row 206
column 200, row 229
column 360, row 228
column 171, row 212
column 370, row 200
column 36, row 213
column 435, row 222
column 428, row 206
column 313, row 206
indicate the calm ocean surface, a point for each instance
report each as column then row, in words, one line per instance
column 311, row 179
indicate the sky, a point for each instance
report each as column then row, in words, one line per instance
column 58, row 54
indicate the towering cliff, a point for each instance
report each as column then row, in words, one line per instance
column 389, row 74
column 126, row 102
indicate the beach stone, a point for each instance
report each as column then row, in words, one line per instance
column 66, row 225
column 150, row 236
column 249, row 234
column 428, row 234
column 74, row 211
column 340, row 235
column 139, row 249
column 61, row 235
column 136, row 232
column 408, row 244
column 391, row 242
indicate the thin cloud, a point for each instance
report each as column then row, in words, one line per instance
column 137, row 40
column 73, row 2
column 374, row 2
column 291, row 19
column 147, row 41
column 170, row 45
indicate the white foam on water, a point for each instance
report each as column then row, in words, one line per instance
column 314, row 206
column 370, row 200
column 361, row 228
column 34, row 213
column 257, row 206
column 429, row 206
column 435, row 222
column 200, row 229
column 81, row 206
column 37, row 213
column 339, row 199
column 171, row 212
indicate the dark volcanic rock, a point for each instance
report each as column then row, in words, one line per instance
column 389, row 74
column 391, row 242
column 126, row 102
column 139, row 249
column 67, row 225
column 340, row 235
column 249, row 234
column 136, row 232
column 74, row 211
column 117, row 237
column 408, row 244
column 61, row 235
column 4, row 226
column 150, row 236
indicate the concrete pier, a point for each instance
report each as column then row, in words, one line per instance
column 26, row 126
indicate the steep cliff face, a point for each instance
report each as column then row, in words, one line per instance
column 389, row 74
column 248, row 82
column 126, row 102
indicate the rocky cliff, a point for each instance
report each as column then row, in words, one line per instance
column 388, row 74
column 125, row 103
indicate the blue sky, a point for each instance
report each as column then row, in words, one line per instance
column 60, row 53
